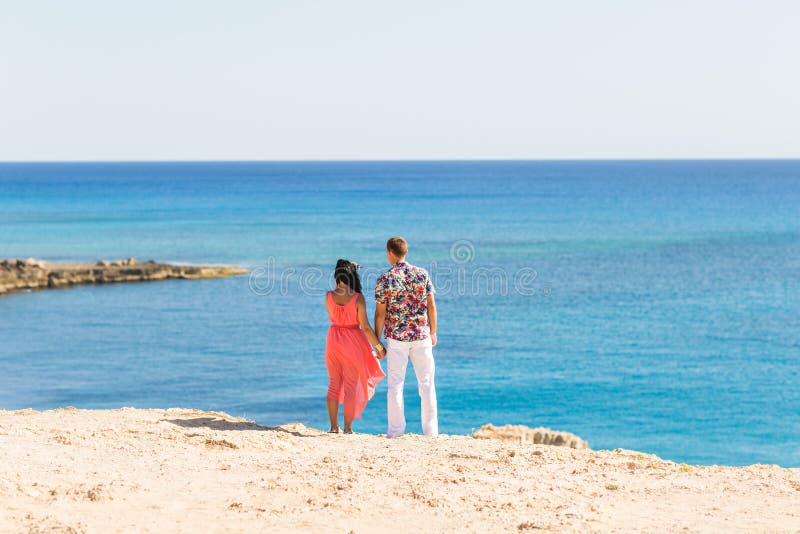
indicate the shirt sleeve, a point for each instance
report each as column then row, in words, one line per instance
column 380, row 290
column 429, row 290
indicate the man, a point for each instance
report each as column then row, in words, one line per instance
column 406, row 311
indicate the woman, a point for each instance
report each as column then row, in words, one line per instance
column 353, row 371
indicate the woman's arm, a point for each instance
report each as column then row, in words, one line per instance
column 361, row 308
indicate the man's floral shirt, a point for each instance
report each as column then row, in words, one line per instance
column 404, row 289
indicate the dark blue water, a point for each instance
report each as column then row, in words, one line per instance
column 646, row 305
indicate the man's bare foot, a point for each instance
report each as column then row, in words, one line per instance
column 333, row 430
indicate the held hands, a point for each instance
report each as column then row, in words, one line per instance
column 380, row 350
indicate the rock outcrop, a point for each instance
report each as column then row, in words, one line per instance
column 525, row 434
column 20, row 275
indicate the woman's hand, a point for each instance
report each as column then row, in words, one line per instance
column 381, row 350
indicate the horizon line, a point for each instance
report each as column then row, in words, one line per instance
column 406, row 160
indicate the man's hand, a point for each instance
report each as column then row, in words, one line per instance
column 380, row 350
column 433, row 340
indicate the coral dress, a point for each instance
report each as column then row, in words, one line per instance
column 353, row 369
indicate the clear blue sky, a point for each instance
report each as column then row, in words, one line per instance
column 161, row 80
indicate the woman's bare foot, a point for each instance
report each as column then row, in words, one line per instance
column 333, row 430
column 348, row 430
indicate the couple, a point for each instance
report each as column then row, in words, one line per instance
column 405, row 311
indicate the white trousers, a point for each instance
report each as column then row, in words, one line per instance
column 421, row 352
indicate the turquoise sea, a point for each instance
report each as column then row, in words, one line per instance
column 648, row 305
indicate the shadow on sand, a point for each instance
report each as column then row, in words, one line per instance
column 214, row 423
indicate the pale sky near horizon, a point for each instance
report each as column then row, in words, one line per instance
column 264, row 80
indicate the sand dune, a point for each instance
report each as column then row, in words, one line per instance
column 182, row 470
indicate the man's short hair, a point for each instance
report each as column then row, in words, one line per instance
column 397, row 246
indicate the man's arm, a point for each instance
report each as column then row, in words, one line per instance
column 380, row 317
column 432, row 317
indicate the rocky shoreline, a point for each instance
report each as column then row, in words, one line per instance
column 184, row 470
column 21, row 275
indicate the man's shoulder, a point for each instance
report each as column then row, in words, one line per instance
column 383, row 278
column 419, row 271
column 386, row 281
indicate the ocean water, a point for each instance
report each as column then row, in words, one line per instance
column 648, row 305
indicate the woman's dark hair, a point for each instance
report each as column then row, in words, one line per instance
column 347, row 271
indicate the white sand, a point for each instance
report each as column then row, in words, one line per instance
column 188, row 471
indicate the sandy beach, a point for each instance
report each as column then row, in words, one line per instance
column 180, row 470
